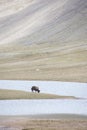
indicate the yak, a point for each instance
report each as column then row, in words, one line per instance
column 35, row 88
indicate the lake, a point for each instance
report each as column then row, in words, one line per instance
column 53, row 87
column 45, row 106
column 49, row 106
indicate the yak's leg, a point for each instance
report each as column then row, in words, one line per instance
column 32, row 90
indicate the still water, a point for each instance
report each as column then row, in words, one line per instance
column 32, row 107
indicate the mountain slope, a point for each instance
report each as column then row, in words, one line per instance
column 44, row 40
column 59, row 20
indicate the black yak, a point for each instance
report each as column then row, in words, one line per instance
column 35, row 88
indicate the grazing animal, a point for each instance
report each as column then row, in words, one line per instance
column 35, row 88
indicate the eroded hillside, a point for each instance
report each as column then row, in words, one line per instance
column 43, row 40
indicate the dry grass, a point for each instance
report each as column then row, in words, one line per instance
column 14, row 94
column 43, row 124
column 57, row 125
column 65, row 62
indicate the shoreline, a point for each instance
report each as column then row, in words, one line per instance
column 45, row 116
column 44, row 122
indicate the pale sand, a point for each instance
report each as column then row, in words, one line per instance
column 43, row 40
column 44, row 122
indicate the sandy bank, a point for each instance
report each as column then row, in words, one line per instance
column 44, row 122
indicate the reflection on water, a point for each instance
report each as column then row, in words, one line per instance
column 32, row 107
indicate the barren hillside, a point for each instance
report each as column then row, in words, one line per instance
column 43, row 40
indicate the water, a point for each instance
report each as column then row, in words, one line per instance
column 53, row 87
column 32, row 107
column 54, row 106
